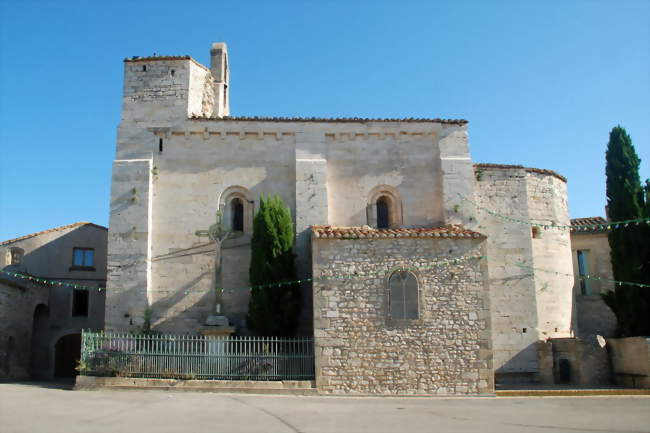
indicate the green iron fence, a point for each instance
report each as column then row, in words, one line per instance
column 196, row 357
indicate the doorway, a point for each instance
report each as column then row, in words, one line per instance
column 39, row 365
column 67, row 352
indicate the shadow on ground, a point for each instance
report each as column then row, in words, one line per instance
column 66, row 384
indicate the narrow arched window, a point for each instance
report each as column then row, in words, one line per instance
column 237, row 212
column 403, row 296
column 383, row 213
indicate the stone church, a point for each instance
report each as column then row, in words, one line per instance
column 440, row 292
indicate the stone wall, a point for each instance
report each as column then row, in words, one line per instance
column 128, row 244
column 631, row 361
column 551, row 259
column 530, row 276
column 160, row 90
column 573, row 361
column 17, row 305
column 161, row 261
column 360, row 350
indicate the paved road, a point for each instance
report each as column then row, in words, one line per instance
column 33, row 408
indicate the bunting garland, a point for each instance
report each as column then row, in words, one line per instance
column 609, row 225
column 50, row 282
column 454, row 260
column 584, row 277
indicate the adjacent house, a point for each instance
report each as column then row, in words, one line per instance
column 592, row 268
column 51, row 287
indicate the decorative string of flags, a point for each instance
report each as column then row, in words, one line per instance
column 585, row 277
column 50, row 282
column 453, row 260
column 609, row 225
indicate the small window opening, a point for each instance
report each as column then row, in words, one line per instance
column 80, row 303
column 555, row 329
column 383, row 221
column 144, row 68
column 523, row 330
column 160, row 145
column 172, row 72
column 537, row 232
column 237, row 210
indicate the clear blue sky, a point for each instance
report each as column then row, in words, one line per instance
column 541, row 83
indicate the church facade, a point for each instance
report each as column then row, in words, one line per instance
column 397, row 206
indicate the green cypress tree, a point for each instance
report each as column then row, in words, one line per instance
column 273, row 310
column 630, row 246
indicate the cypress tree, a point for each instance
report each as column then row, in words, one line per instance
column 273, row 310
column 630, row 246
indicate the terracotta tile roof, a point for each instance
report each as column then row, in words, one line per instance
column 364, row 232
column 587, row 222
column 333, row 119
column 528, row 169
column 55, row 229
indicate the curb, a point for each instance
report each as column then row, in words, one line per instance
column 259, row 391
column 89, row 383
column 570, row 392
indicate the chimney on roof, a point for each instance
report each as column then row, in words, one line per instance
column 220, row 76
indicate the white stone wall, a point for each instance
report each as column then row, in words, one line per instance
column 526, row 305
column 547, row 203
column 127, row 295
column 201, row 94
column 323, row 171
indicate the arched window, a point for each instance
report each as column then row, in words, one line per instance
column 403, row 296
column 237, row 213
column 384, row 209
column 236, row 208
column 383, row 212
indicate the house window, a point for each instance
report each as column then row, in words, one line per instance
column 403, row 296
column 83, row 258
column 15, row 256
column 383, row 213
column 583, row 270
column 237, row 213
column 80, row 303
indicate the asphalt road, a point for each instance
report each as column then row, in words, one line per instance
column 35, row 408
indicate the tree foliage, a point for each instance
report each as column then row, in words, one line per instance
column 630, row 246
column 274, row 310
